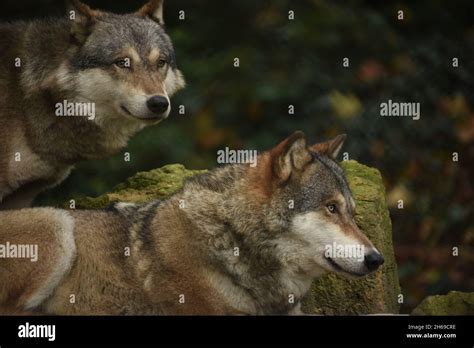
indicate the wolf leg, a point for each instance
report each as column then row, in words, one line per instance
column 21, row 198
column 24, row 196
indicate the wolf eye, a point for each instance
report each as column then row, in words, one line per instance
column 123, row 63
column 162, row 63
column 331, row 208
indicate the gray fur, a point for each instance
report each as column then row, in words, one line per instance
column 54, row 58
column 189, row 250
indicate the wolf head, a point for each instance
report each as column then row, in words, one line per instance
column 124, row 63
column 310, row 208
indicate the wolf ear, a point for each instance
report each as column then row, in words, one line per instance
column 290, row 155
column 154, row 10
column 83, row 18
column 331, row 147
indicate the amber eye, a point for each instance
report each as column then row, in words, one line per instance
column 332, row 208
column 162, row 63
column 123, row 63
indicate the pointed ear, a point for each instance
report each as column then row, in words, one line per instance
column 290, row 155
column 331, row 147
column 83, row 18
column 154, row 10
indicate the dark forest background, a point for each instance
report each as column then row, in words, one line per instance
column 299, row 62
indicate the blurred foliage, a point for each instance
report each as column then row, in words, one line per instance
column 299, row 62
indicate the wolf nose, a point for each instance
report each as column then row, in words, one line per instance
column 373, row 260
column 158, row 104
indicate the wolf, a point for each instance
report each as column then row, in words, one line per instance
column 114, row 72
column 236, row 240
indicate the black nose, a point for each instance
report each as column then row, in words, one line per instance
column 373, row 260
column 157, row 104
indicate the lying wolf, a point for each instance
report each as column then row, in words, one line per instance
column 115, row 73
column 236, row 240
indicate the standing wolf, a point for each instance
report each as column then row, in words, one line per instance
column 236, row 240
column 120, row 68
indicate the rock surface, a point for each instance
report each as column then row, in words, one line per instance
column 142, row 187
column 330, row 294
column 454, row 303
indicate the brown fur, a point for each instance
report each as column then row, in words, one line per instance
column 188, row 250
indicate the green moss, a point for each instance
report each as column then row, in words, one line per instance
column 92, row 203
column 454, row 303
column 143, row 186
column 329, row 294
column 377, row 293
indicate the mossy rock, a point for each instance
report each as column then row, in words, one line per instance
column 142, row 187
column 330, row 294
column 454, row 303
column 378, row 292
